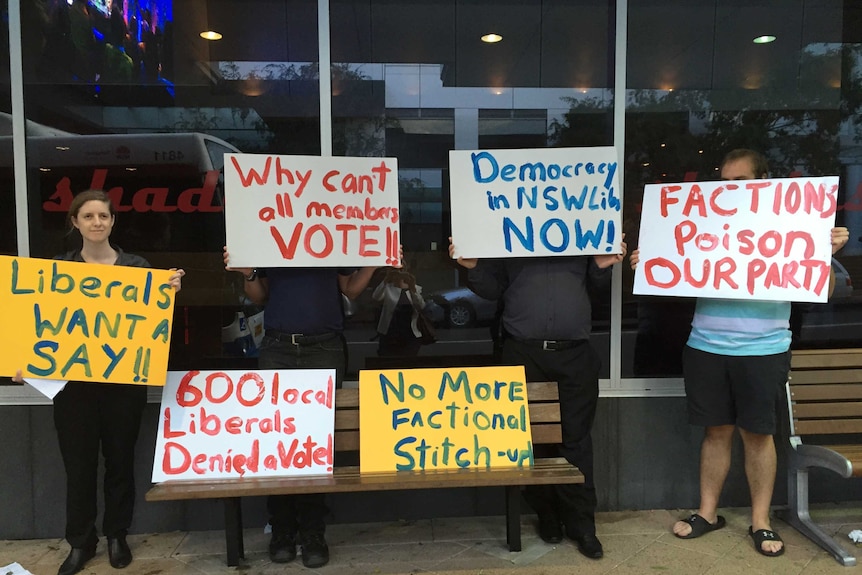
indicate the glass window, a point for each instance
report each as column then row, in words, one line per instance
column 699, row 86
column 130, row 98
column 413, row 80
column 8, row 227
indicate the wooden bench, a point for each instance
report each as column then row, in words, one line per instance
column 544, row 408
column 824, row 397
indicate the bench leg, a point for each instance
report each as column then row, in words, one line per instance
column 513, row 517
column 233, row 530
column 797, row 515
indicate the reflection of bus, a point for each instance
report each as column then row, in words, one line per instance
column 168, row 192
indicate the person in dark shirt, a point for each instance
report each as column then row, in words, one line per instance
column 93, row 416
column 303, row 324
column 546, row 322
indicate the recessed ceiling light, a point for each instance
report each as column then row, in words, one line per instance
column 766, row 39
column 491, row 38
column 210, row 35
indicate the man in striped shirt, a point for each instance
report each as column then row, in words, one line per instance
column 735, row 365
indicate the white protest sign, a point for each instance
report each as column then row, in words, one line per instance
column 230, row 424
column 310, row 211
column 763, row 239
column 540, row 202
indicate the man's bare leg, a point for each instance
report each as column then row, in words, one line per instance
column 760, row 466
column 714, row 464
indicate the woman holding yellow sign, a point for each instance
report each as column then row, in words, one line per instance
column 94, row 416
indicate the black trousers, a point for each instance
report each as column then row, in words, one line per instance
column 301, row 514
column 576, row 371
column 90, row 417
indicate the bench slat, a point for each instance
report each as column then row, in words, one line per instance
column 542, row 433
column 826, row 358
column 827, row 426
column 830, row 410
column 348, row 419
column 544, row 413
column 825, row 392
column 823, row 376
column 853, row 453
column 348, row 479
column 542, row 391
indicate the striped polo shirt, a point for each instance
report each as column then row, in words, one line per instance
column 739, row 327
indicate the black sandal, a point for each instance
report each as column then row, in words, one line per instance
column 762, row 535
column 700, row 526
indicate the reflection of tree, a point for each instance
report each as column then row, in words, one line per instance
column 410, row 190
column 673, row 133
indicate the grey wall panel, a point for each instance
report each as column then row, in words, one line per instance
column 16, row 485
column 646, row 458
column 48, row 477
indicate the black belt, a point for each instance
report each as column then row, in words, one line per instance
column 552, row 344
column 299, row 338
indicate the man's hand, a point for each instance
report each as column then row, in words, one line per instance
column 634, row 258
column 244, row 271
column 606, row 261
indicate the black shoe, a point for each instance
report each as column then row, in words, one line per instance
column 76, row 560
column 589, row 546
column 315, row 551
column 282, row 548
column 119, row 553
column 550, row 530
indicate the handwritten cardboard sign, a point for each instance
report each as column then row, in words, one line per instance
column 748, row 239
column 542, row 202
column 229, row 424
column 423, row 419
column 310, row 211
column 84, row 322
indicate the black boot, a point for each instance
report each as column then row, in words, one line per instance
column 76, row 560
column 119, row 553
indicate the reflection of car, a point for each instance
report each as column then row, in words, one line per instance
column 843, row 283
column 459, row 307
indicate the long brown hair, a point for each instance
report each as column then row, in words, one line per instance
column 83, row 198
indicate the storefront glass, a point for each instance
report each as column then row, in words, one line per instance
column 700, row 86
column 413, row 80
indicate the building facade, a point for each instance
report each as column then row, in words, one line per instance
column 135, row 97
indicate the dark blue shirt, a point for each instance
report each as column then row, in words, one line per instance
column 304, row 300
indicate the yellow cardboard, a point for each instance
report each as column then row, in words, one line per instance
column 84, row 322
column 447, row 418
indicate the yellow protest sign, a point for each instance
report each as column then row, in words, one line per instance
column 84, row 322
column 452, row 418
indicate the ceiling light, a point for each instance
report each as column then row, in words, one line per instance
column 491, row 38
column 766, row 39
column 210, row 35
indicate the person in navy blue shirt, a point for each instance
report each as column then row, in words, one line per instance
column 303, row 329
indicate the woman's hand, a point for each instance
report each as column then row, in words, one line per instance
column 840, row 236
column 18, row 377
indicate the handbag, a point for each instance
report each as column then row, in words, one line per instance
column 426, row 328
